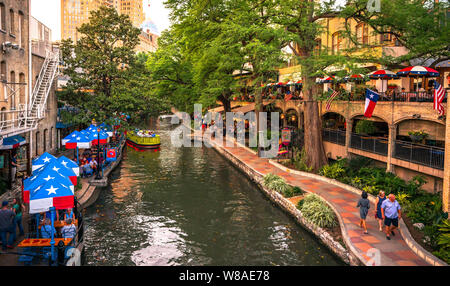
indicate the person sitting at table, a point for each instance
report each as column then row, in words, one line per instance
column 69, row 230
column 87, row 169
column 69, row 214
column 47, row 228
column 93, row 164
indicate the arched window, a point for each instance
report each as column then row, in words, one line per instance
column 3, row 116
column 38, row 137
column 2, row 17
column 44, row 142
column 336, row 42
column 362, row 33
column 12, row 98
column 51, row 138
column 11, row 22
column 22, row 88
column 22, row 39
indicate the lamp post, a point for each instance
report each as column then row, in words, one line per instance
column 97, row 176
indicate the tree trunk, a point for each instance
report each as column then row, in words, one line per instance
column 315, row 152
column 225, row 102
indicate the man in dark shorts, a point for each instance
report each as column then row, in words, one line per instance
column 390, row 210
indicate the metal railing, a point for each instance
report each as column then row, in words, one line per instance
column 399, row 96
column 429, row 156
column 377, row 145
column 12, row 120
column 334, row 136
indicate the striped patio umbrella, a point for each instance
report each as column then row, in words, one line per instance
column 354, row 77
column 11, row 142
column 382, row 74
column 418, row 71
column 328, row 79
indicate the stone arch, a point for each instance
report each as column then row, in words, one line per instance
column 434, row 128
column 334, row 120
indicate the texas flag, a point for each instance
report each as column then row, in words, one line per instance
column 371, row 101
column 111, row 155
column 50, row 194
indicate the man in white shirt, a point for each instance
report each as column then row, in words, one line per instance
column 69, row 230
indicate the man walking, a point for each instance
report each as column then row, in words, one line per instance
column 390, row 211
column 7, row 226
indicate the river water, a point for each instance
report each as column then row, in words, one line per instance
column 190, row 206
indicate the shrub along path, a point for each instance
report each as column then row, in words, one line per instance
column 393, row 252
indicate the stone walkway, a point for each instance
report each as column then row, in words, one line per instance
column 392, row 252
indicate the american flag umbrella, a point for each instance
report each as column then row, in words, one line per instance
column 66, row 162
column 95, row 135
column 80, row 141
column 44, row 175
column 298, row 82
column 70, row 136
column 50, row 194
column 382, row 74
column 418, row 71
column 67, row 172
column 41, row 161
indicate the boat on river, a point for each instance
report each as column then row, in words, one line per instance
column 143, row 140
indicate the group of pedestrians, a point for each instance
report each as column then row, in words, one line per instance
column 10, row 219
column 388, row 212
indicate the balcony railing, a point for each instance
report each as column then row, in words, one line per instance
column 400, row 96
column 420, row 154
column 377, row 145
column 334, row 136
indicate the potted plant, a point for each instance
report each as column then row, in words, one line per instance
column 418, row 136
column 365, row 127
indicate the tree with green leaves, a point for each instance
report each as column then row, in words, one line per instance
column 106, row 76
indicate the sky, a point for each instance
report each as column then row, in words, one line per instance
column 49, row 13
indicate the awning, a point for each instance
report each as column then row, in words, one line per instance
column 247, row 108
column 11, row 142
column 60, row 125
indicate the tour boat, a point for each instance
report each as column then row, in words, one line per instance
column 143, row 140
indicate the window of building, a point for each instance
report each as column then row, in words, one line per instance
column 51, row 138
column 22, row 88
column 317, row 46
column 21, row 35
column 38, row 137
column 362, row 33
column 336, row 42
column 3, row 70
column 2, row 17
column 11, row 22
column 12, row 98
column 44, row 143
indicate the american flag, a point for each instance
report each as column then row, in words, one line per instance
column 439, row 95
column 330, row 99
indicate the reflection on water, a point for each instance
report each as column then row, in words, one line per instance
column 190, row 206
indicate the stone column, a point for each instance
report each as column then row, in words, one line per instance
column 348, row 134
column 446, row 186
column 391, row 143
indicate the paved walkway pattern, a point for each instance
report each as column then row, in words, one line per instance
column 393, row 252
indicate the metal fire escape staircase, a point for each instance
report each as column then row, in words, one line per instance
column 26, row 118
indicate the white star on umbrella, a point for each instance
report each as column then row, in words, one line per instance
column 55, row 169
column 33, row 178
column 49, row 178
column 37, row 189
column 46, row 159
column 52, row 190
column 64, row 163
column 78, row 138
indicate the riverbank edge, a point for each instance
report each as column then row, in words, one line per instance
column 284, row 204
column 412, row 244
column 91, row 191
